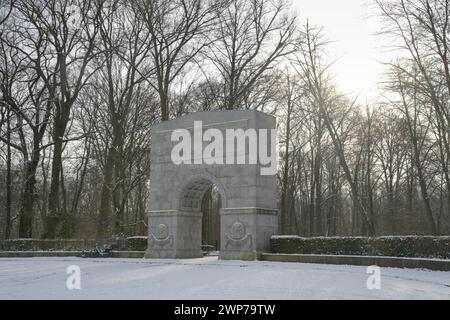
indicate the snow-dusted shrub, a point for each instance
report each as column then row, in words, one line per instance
column 137, row 243
column 399, row 246
column 126, row 244
column 41, row 245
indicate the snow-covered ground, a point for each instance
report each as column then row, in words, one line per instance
column 209, row 278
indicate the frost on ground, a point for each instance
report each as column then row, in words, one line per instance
column 209, row 278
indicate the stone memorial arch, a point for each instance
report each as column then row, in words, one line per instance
column 248, row 214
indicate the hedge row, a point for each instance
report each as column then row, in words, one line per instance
column 41, row 245
column 404, row 246
column 127, row 244
column 136, row 244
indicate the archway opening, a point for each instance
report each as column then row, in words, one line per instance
column 203, row 196
column 211, row 204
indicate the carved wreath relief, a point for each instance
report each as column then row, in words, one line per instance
column 238, row 235
column 162, row 231
column 161, row 236
column 237, row 231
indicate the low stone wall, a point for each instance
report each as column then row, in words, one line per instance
column 404, row 246
column 126, row 244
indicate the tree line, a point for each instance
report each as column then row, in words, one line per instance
column 82, row 82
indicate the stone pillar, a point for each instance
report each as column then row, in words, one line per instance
column 245, row 232
column 174, row 234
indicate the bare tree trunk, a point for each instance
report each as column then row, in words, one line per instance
column 318, row 180
column 417, row 161
column 28, row 198
column 8, row 177
column 105, row 212
column 284, row 192
column 55, row 214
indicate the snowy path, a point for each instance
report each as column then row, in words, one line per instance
column 209, row 278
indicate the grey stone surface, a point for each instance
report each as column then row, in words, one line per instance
column 248, row 214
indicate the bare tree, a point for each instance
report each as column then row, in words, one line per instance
column 25, row 97
column 177, row 30
column 125, row 42
column 309, row 64
column 250, row 37
column 63, row 49
column 421, row 28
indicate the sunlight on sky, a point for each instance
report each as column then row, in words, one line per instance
column 351, row 26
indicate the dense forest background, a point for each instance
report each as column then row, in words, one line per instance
column 82, row 83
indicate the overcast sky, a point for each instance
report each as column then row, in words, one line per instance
column 351, row 25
